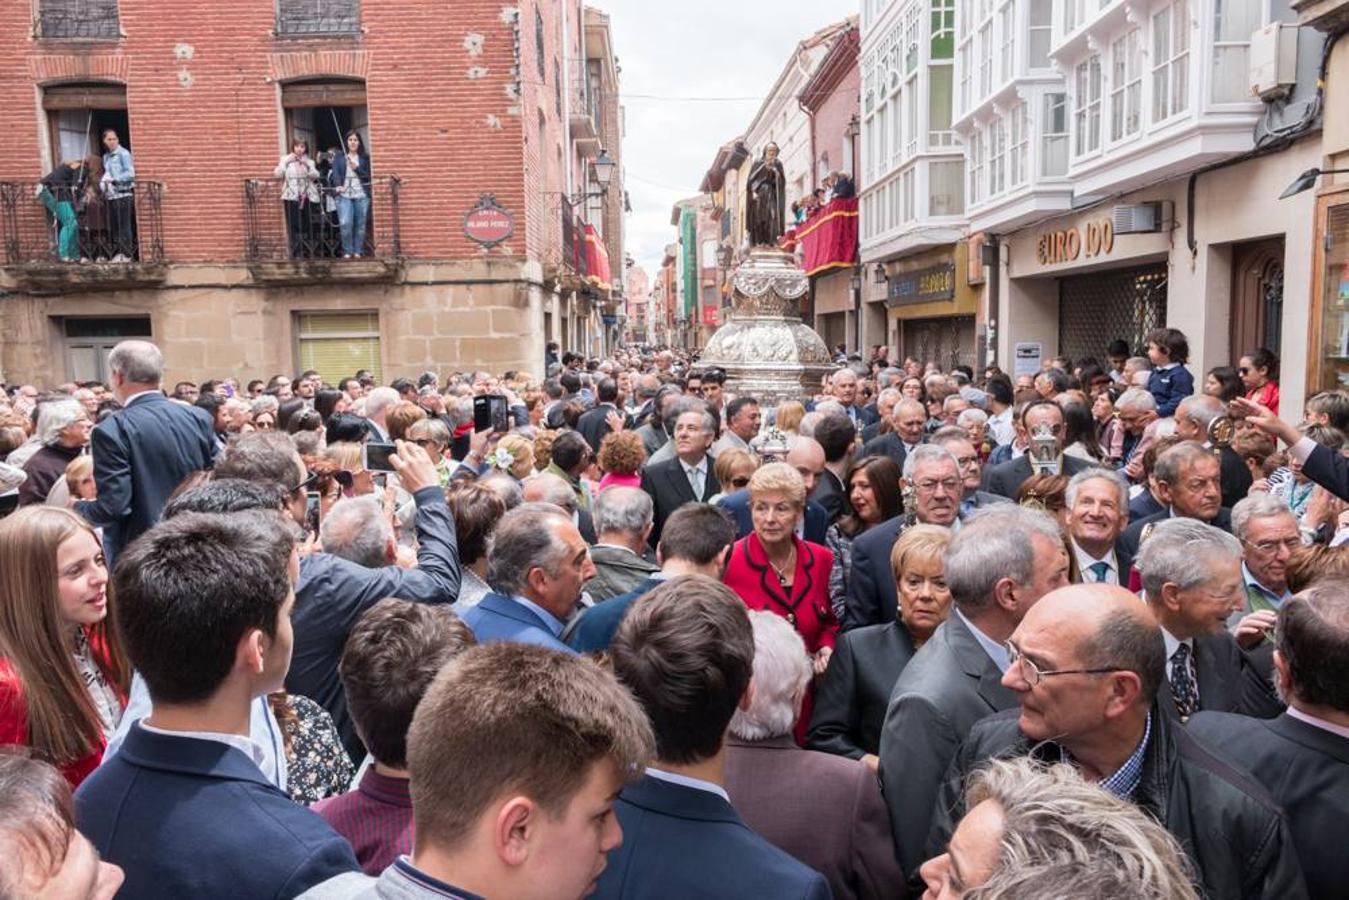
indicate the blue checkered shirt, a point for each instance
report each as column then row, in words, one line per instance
column 1125, row 780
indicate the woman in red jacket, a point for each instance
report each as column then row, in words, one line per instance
column 63, row 674
column 773, row 569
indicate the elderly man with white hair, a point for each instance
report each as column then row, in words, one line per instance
column 1098, row 513
column 377, row 404
column 1193, row 582
column 623, row 522
column 823, row 809
column 1136, row 410
column 357, row 530
column 1193, row 417
column 1268, row 532
column 63, row 430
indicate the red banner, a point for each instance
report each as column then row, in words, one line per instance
column 828, row 239
column 597, row 260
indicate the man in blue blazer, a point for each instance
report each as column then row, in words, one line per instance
column 538, row 564
column 686, row 651
column 204, row 606
column 144, row 451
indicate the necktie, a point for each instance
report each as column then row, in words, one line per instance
column 1098, row 571
column 696, row 482
column 1183, row 688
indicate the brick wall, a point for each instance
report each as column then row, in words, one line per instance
column 453, row 105
column 832, row 118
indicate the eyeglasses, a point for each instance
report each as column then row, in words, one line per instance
column 928, row 485
column 1033, row 673
column 1290, row 544
column 341, row 476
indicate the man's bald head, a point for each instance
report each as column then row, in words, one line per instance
column 806, row 456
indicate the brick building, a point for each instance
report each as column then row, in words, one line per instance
column 491, row 101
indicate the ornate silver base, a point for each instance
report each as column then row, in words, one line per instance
column 765, row 348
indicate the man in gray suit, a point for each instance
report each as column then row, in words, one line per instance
column 1001, row 562
column 1005, row 478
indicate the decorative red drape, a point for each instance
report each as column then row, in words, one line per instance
column 597, row 260
column 828, row 239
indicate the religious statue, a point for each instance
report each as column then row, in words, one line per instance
column 767, row 192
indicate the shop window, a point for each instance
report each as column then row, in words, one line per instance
column 1054, row 136
column 1087, row 107
column 1126, row 85
column 309, row 17
column 946, row 196
column 1170, row 61
column 79, row 19
column 1233, row 23
column 336, row 344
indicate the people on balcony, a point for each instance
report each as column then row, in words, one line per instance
column 119, row 190
column 300, row 196
column 58, row 192
column 350, row 178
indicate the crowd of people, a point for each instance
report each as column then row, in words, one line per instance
column 1072, row 633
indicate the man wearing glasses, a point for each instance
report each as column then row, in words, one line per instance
column 1268, row 533
column 1085, row 666
column 1189, row 485
column 1006, row 478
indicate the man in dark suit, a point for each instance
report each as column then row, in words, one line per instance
column 823, row 809
column 957, row 440
column 1302, row 757
column 844, row 384
column 538, row 564
column 594, row 423
column 204, row 609
column 1000, row 563
column 688, row 478
column 838, row 436
column 885, row 408
column 1084, row 665
column 143, row 452
column 906, row 432
column 1192, row 578
column 1188, row 480
column 686, row 651
column 1006, row 478
column 1193, row 416
column 1098, row 503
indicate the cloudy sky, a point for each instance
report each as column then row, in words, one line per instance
column 695, row 49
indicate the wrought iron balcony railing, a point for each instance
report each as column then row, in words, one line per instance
column 93, row 20
column 65, row 226
column 303, row 18
column 331, row 227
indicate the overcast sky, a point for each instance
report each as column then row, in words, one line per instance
column 703, row 49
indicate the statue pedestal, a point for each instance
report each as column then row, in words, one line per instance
column 765, row 348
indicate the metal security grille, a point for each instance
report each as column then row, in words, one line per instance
column 1098, row 308
column 948, row 341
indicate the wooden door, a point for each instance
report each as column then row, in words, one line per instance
column 1257, row 297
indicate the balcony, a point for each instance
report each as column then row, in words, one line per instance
column 63, row 241
column 317, row 18
column 585, row 110
column 568, row 270
column 290, row 243
column 80, row 20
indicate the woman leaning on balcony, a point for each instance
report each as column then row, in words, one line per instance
column 300, row 195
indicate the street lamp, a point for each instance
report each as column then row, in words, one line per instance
column 604, row 170
column 1306, row 181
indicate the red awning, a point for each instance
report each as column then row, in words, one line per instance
column 828, row 239
column 597, row 260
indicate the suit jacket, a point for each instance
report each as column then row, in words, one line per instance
column 1306, row 771
column 1144, row 505
column 594, row 425
column 1227, row 823
column 822, row 809
column 669, row 489
column 653, row 437
column 685, row 842
column 1006, row 478
column 871, row 432
column 737, row 504
column 1326, row 468
column 141, row 454
column 617, row 571
column 887, row 445
column 594, row 628
column 157, row 807
column 499, row 618
column 1229, row 680
column 831, row 494
column 1234, row 476
column 1131, row 538
column 950, row 684
column 851, row 698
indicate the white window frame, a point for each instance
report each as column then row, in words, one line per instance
column 1126, row 85
column 1171, row 41
column 975, row 179
column 1087, row 85
column 1051, row 103
column 1239, row 47
column 997, row 157
column 1018, row 146
column 1032, row 29
column 1007, row 42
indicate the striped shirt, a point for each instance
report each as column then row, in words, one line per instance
column 375, row 818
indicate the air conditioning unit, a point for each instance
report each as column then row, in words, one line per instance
column 1273, row 57
column 1139, row 218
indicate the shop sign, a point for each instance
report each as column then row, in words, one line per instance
column 922, row 285
column 488, row 223
column 1095, row 238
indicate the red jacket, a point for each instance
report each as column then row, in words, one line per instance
column 14, row 719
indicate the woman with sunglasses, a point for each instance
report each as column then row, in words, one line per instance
column 1259, row 371
column 733, row 468
column 873, row 491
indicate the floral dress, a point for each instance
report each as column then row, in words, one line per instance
column 317, row 765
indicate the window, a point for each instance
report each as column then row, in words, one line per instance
column 1054, row 136
column 897, row 126
column 1233, row 22
column 1074, row 15
column 1170, row 61
column 338, row 343
column 538, row 42
column 89, row 340
column 83, row 19
column 912, row 17
column 997, row 157
column 911, row 119
column 985, row 59
column 976, row 174
column 1007, row 51
column 1087, row 107
column 1018, row 128
column 943, row 28
column 906, row 189
column 882, row 136
column 945, row 195
column 939, row 107
column 1040, row 31
column 965, row 74
column 557, row 86
column 306, row 17
column 1126, row 85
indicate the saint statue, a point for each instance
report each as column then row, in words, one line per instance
column 767, row 192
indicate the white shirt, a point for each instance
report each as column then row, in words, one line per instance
column 244, row 745
column 695, row 783
column 139, row 394
column 1314, row 721
column 1085, row 561
column 1000, row 426
column 996, row 652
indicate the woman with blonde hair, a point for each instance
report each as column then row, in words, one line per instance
column 789, row 416
column 852, row 697
column 734, row 468
column 63, row 673
column 521, row 452
column 346, row 456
